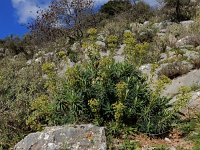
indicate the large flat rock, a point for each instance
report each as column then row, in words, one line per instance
column 189, row 79
column 73, row 137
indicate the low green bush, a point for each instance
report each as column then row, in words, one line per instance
column 103, row 91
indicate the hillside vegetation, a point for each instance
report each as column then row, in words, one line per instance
column 123, row 67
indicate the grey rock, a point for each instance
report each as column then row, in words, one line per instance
column 198, row 47
column 44, row 57
column 73, row 137
column 49, row 56
column 188, row 40
column 101, row 44
column 172, row 148
column 187, row 47
column 7, row 52
column 156, row 25
column 29, row 62
column 145, row 69
column 159, row 26
column 121, row 49
column 151, row 76
column 119, row 58
column 174, row 69
column 63, row 65
column 189, row 79
column 75, row 46
column 161, row 34
column 167, row 140
column 191, row 55
column 135, row 27
column 163, row 56
column 163, row 30
column 146, row 23
column 39, row 54
column 102, row 54
column 168, row 48
column 168, row 23
column 101, row 37
column 2, row 50
column 187, row 23
column 171, row 54
column 172, row 39
column 193, row 105
column 2, row 55
column 127, row 31
column 38, row 60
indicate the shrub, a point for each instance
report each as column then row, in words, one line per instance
column 112, row 8
column 103, row 91
column 19, row 86
column 135, row 53
column 141, row 12
column 179, row 10
column 42, row 110
column 175, row 29
column 119, row 23
column 129, row 145
column 146, row 35
column 112, row 42
column 116, row 90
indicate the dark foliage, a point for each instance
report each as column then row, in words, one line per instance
column 179, row 10
column 16, row 45
column 112, row 8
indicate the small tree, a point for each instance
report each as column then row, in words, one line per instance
column 178, row 10
column 112, row 8
column 141, row 11
column 63, row 18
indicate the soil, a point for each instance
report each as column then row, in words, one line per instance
column 174, row 139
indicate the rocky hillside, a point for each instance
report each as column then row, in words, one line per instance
column 123, row 84
column 168, row 58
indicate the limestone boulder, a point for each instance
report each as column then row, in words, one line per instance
column 73, row 137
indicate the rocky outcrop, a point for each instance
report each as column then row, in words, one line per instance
column 187, row 23
column 73, row 137
column 193, row 105
column 187, row 80
column 188, row 42
column 175, row 69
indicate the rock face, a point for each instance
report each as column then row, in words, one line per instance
column 79, row 137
